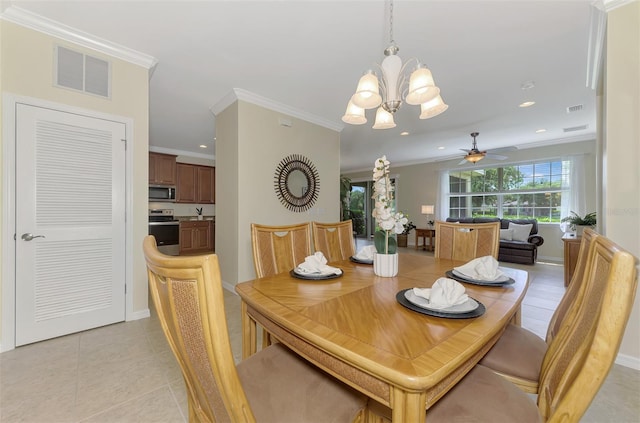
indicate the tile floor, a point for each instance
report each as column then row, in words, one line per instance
column 126, row 372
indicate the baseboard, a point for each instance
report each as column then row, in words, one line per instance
column 229, row 287
column 628, row 361
column 137, row 315
column 550, row 259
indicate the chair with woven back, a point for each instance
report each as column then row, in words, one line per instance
column 334, row 240
column 278, row 249
column 274, row 384
column 466, row 241
column 575, row 365
column 519, row 353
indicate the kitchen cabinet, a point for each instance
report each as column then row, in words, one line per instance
column 196, row 237
column 195, row 184
column 162, row 169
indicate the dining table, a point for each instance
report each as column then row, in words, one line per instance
column 358, row 327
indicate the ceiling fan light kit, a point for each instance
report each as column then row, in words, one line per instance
column 387, row 90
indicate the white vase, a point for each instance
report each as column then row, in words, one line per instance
column 385, row 265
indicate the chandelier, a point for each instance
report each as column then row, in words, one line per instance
column 387, row 91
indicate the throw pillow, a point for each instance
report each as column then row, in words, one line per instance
column 506, row 234
column 520, row 232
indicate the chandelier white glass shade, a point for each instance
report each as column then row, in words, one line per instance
column 388, row 90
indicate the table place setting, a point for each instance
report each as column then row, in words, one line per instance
column 365, row 255
column 315, row 267
column 480, row 271
column 446, row 298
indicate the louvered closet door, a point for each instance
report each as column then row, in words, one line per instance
column 70, row 190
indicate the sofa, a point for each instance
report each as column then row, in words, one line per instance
column 513, row 246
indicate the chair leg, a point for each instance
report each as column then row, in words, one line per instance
column 517, row 317
column 266, row 338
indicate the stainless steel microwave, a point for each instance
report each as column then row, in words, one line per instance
column 162, row 193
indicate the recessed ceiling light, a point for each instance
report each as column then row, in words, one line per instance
column 404, row 133
column 203, row 146
column 440, row 148
column 527, row 104
column 541, row 130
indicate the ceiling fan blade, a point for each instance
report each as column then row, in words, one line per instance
column 466, row 151
column 502, row 149
column 496, row 156
column 464, row 161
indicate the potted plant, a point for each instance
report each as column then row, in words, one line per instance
column 390, row 222
column 345, row 190
column 578, row 223
column 403, row 237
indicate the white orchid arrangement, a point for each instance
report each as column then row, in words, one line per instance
column 387, row 219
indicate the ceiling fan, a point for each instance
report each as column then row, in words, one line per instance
column 474, row 155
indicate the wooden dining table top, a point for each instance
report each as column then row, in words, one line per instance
column 354, row 327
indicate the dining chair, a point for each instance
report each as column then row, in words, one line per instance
column 519, row 353
column 272, row 385
column 575, row 365
column 278, row 249
column 466, row 241
column 334, row 240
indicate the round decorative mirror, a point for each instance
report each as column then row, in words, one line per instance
column 297, row 183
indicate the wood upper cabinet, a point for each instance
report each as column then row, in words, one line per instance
column 196, row 236
column 195, row 184
column 162, row 169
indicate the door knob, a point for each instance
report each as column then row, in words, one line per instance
column 29, row 237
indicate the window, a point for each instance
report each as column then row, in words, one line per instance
column 524, row 191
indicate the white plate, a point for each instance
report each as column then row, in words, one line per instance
column 317, row 274
column 500, row 279
column 466, row 307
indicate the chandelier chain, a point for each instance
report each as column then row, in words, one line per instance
column 391, row 40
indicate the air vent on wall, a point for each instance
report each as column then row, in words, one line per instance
column 82, row 72
column 576, row 128
column 576, row 108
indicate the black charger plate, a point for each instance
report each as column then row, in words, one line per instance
column 314, row 277
column 479, row 311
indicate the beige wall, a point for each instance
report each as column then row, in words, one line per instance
column 27, row 70
column 622, row 146
column 251, row 137
column 418, row 185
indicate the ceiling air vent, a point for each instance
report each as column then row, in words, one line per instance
column 576, row 108
column 576, row 128
column 82, row 72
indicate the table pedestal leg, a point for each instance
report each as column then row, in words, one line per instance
column 249, row 333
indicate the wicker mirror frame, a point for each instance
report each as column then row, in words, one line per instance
column 292, row 201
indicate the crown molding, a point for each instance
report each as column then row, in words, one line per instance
column 609, row 5
column 47, row 26
column 249, row 97
column 175, row 152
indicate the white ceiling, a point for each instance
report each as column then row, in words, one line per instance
column 309, row 55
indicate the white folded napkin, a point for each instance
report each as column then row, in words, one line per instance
column 481, row 268
column 366, row 252
column 317, row 263
column 444, row 293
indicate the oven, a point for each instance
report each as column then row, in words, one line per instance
column 166, row 229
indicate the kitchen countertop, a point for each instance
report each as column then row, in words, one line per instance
column 193, row 218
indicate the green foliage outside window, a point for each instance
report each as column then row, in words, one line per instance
column 532, row 190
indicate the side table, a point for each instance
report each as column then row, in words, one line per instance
column 425, row 233
column 571, row 250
